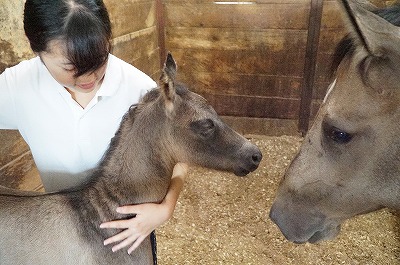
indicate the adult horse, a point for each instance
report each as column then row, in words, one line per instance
column 349, row 163
column 169, row 125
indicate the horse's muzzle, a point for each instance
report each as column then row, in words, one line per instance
column 300, row 225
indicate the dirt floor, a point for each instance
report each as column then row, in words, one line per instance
column 223, row 219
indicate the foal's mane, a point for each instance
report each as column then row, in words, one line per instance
column 134, row 110
column 129, row 118
column 347, row 45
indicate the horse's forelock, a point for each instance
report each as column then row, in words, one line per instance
column 345, row 48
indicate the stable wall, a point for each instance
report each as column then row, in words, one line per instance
column 249, row 60
column 264, row 65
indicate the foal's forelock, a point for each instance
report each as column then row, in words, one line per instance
column 134, row 111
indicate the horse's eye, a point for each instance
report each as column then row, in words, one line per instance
column 204, row 128
column 339, row 136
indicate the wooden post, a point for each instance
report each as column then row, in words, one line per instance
column 161, row 31
column 314, row 27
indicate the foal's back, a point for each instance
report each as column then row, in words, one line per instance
column 49, row 224
column 30, row 229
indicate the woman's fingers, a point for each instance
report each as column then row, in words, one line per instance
column 124, row 243
column 118, row 237
column 138, row 241
column 121, row 224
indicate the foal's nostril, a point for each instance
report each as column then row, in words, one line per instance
column 257, row 158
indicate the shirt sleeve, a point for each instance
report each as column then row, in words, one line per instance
column 8, row 114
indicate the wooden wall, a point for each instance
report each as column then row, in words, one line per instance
column 247, row 60
column 135, row 33
column 135, row 40
column 250, row 60
column 15, row 157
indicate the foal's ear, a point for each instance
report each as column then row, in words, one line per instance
column 374, row 33
column 167, row 82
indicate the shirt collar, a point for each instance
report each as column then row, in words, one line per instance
column 109, row 86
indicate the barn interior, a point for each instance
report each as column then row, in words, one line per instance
column 264, row 65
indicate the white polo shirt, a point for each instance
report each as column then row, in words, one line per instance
column 67, row 141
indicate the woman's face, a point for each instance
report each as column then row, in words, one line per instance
column 63, row 70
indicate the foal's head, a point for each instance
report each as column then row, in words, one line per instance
column 177, row 125
column 196, row 133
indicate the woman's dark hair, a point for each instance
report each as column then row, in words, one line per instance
column 83, row 25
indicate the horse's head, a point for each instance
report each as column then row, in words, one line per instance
column 349, row 161
column 193, row 133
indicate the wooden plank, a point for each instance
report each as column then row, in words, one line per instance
column 12, row 146
column 274, row 40
column 262, row 16
column 244, row 85
column 282, row 1
column 129, row 16
column 257, row 107
column 311, row 58
column 262, row 126
column 131, row 47
column 246, row 61
column 255, row 2
column 13, row 174
column 329, row 38
column 149, row 64
column 332, row 16
column 160, row 10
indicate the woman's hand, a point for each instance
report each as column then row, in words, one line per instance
column 149, row 216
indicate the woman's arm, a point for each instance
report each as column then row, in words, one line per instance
column 149, row 216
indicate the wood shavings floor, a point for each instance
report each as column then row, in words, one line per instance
column 223, row 219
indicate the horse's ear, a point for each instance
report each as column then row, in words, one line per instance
column 167, row 82
column 381, row 41
column 374, row 33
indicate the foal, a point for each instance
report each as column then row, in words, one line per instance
column 169, row 125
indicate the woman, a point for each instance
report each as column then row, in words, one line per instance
column 68, row 101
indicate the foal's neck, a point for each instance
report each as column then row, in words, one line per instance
column 136, row 169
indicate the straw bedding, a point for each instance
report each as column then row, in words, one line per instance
column 223, row 219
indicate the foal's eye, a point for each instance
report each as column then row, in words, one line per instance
column 338, row 135
column 204, row 128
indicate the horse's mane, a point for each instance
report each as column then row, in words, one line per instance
column 347, row 45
